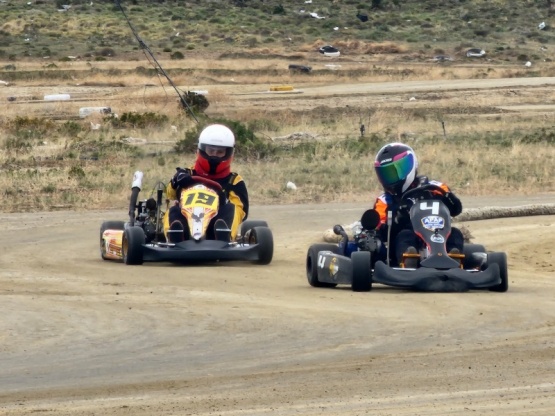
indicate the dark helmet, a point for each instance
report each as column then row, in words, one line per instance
column 215, row 136
column 396, row 166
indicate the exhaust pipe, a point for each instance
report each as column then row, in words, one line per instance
column 135, row 189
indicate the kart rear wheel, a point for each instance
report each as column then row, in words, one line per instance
column 312, row 263
column 473, row 248
column 108, row 225
column 262, row 236
column 500, row 259
column 132, row 245
column 362, row 271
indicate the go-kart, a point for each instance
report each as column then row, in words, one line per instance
column 360, row 261
column 142, row 238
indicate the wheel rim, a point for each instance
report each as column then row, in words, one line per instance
column 252, row 238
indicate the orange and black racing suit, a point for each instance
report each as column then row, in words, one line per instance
column 402, row 235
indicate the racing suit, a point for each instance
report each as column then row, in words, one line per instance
column 402, row 234
column 234, row 209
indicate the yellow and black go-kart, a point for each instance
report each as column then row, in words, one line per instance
column 143, row 239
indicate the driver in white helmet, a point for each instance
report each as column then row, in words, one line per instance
column 214, row 155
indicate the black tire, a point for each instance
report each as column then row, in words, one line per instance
column 108, row 225
column 362, row 271
column 250, row 224
column 265, row 240
column 132, row 245
column 312, row 263
column 468, row 250
column 500, row 259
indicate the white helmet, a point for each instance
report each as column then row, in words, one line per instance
column 216, row 135
column 220, row 136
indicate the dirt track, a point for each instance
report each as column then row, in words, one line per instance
column 79, row 336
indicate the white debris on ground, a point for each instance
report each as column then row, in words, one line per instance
column 475, row 53
column 315, row 15
column 135, row 140
column 87, row 111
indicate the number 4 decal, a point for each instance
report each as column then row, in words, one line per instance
column 434, row 207
column 321, row 261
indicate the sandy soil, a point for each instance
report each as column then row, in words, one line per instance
column 81, row 336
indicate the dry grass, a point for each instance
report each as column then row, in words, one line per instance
column 478, row 155
column 321, row 174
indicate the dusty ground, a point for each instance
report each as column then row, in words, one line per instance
column 80, row 336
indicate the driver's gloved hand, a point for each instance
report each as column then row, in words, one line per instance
column 453, row 203
column 402, row 216
column 181, row 179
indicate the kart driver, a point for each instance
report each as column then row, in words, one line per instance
column 214, row 155
column 396, row 167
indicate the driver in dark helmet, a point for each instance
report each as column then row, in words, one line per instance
column 214, row 156
column 396, row 167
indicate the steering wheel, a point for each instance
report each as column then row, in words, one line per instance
column 427, row 191
column 208, row 182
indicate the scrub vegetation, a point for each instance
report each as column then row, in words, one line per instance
column 52, row 159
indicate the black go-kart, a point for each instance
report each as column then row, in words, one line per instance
column 329, row 265
column 142, row 238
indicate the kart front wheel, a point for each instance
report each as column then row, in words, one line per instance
column 500, row 259
column 132, row 245
column 108, row 225
column 362, row 271
column 470, row 252
column 312, row 263
column 262, row 236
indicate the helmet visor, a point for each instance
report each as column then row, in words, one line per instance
column 218, row 152
column 396, row 170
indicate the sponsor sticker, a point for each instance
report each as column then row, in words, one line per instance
column 334, row 267
column 436, row 238
column 433, row 222
column 112, row 244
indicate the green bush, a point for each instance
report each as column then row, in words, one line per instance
column 177, row 55
column 139, row 121
column 70, row 128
